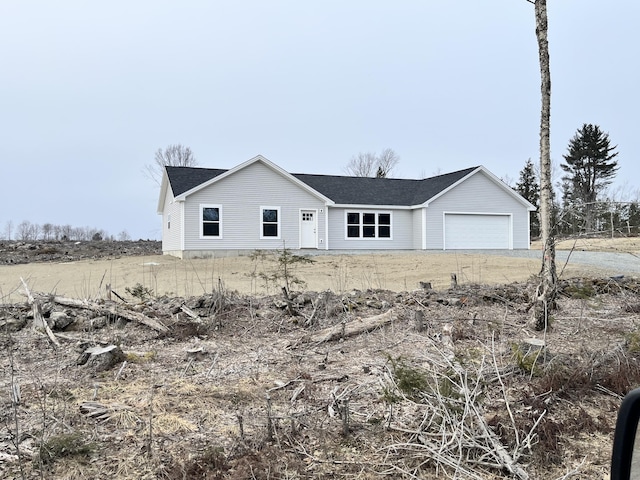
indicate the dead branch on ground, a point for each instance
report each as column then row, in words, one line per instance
column 115, row 310
column 349, row 329
column 38, row 319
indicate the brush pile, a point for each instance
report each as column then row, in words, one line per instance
column 368, row 384
column 19, row 252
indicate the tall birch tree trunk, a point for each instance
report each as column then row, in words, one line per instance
column 546, row 292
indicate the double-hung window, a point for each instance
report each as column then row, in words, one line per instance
column 270, row 222
column 210, row 221
column 368, row 224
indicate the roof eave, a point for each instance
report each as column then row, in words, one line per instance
column 163, row 192
column 372, row 207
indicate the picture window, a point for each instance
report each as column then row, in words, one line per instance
column 368, row 225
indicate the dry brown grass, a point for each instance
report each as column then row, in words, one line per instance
column 602, row 244
column 339, row 273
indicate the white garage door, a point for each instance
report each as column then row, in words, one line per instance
column 469, row 231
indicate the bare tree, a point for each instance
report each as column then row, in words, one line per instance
column 547, row 290
column 35, row 231
column 25, row 231
column 8, row 228
column 369, row 164
column 47, row 229
column 362, row 165
column 387, row 161
column 66, row 232
column 173, row 155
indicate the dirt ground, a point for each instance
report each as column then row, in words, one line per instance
column 83, row 277
column 364, row 375
column 339, row 273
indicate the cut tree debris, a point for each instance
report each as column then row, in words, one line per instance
column 421, row 384
column 38, row 319
column 105, row 308
column 349, row 329
column 117, row 310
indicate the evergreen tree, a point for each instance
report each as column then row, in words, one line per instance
column 590, row 166
column 633, row 218
column 529, row 188
column 570, row 220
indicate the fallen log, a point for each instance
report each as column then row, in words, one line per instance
column 116, row 310
column 349, row 329
column 102, row 412
column 189, row 312
column 39, row 323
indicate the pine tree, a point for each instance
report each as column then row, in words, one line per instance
column 590, row 167
column 529, row 188
column 633, row 218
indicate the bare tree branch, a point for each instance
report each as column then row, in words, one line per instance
column 173, row 155
column 362, row 165
column 367, row 164
column 387, row 161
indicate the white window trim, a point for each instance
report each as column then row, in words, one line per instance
column 202, row 235
column 361, row 212
column 279, row 223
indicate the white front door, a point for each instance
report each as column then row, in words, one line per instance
column 308, row 228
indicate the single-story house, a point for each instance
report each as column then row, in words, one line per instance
column 258, row 205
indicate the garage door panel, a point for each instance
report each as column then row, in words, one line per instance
column 473, row 231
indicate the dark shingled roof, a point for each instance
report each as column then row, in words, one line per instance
column 340, row 189
column 183, row 179
column 380, row 191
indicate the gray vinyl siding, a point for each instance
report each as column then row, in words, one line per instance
column 171, row 235
column 477, row 194
column 241, row 195
column 417, row 228
column 401, row 231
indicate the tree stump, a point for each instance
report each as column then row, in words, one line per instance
column 101, row 358
column 421, row 324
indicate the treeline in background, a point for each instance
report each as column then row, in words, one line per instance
column 29, row 232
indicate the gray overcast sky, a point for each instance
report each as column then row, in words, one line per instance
column 90, row 90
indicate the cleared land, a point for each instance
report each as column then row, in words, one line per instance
column 390, row 381
column 401, row 271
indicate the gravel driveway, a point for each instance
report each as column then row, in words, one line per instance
column 614, row 263
column 609, row 263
